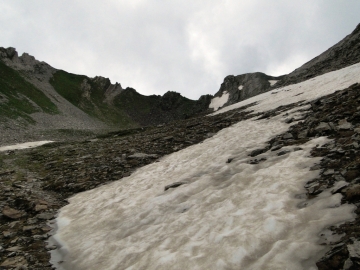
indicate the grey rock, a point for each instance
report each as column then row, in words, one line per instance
column 287, row 136
column 303, row 134
column 45, row 216
column 277, row 147
column 143, row 155
column 281, row 153
column 348, row 263
column 339, row 186
column 174, row 185
column 329, row 172
column 229, row 160
column 344, row 125
column 338, row 177
column 257, row 152
column 323, row 127
column 354, row 249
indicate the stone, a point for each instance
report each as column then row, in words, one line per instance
column 351, row 175
column 13, row 262
column 329, row 172
column 323, row 127
column 284, row 152
column 40, row 207
column 8, row 234
column 338, row 177
column 143, row 155
column 16, row 248
column 229, row 160
column 354, row 249
column 348, row 263
column 174, row 185
column 277, row 147
column 257, row 152
column 334, row 259
column 287, row 136
column 339, row 186
column 12, row 213
column 352, row 193
column 29, row 228
column 289, row 120
column 45, row 216
column 344, row 125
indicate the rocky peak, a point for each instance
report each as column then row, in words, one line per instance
column 26, row 63
column 171, row 100
column 9, row 53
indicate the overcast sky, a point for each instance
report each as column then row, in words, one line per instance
column 178, row 45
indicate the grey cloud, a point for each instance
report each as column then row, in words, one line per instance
column 185, row 46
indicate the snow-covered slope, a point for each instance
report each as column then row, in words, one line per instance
column 226, row 214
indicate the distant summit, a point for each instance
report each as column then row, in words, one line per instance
column 240, row 87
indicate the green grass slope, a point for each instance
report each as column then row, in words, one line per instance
column 91, row 101
column 128, row 109
column 19, row 98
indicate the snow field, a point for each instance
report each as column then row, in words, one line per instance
column 272, row 82
column 218, row 102
column 23, row 145
column 227, row 216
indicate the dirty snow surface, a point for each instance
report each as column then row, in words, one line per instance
column 23, row 145
column 218, row 102
column 226, row 215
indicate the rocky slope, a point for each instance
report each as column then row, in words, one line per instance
column 343, row 54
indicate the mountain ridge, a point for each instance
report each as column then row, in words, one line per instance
column 87, row 106
column 83, row 104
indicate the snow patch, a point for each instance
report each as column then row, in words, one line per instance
column 241, row 87
column 218, row 102
column 23, row 145
column 272, row 82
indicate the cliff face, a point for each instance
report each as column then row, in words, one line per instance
column 242, row 87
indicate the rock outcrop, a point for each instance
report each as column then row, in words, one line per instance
column 244, row 86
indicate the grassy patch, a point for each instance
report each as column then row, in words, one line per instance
column 68, row 85
column 19, row 98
